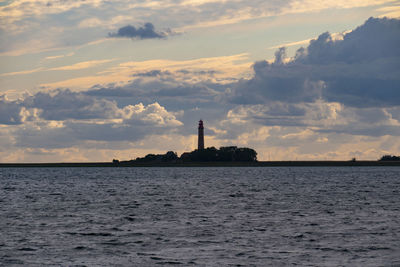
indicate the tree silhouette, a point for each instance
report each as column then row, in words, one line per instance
column 209, row 154
column 231, row 153
column 389, row 158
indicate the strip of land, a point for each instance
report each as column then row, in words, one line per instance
column 206, row 164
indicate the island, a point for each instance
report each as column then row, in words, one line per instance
column 230, row 154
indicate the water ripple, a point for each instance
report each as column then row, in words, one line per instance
column 200, row 216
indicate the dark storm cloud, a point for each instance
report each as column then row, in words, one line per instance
column 362, row 70
column 144, row 32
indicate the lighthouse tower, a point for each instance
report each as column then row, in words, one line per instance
column 201, row 136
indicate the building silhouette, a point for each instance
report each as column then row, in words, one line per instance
column 201, row 136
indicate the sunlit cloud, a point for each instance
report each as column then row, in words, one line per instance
column 27, row 18
column 268, row 9
column 30, row 47
column 83, row 65
column 90, row 23
column 224, row 69
column 19, row 9
column 23, row 72
column 235, row 10
column 109, row 23
column 304, row 6
column 77, row 66
column 390, row 11
column 59, row 56
column 334, row 36
column 91, row 97
column 302, row 42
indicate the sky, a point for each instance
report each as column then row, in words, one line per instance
column 94, row 80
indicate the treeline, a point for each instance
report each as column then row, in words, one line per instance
column 223, row 154
column 389, row 158
column 170, row 156
column 228, row 154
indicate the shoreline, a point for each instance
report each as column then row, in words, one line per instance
column 206, row 164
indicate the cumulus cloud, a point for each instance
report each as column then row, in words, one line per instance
column 63, row 118
column 321, row 117
column 332, row 88
column 335, row 91
column 65, row 104
column 9, row 112
column 129, row 123
column 61, row 105
column 375, row 39
column 332, row 85
column 15, row 112
column 143, row 32
column 288, row 114
column 360, row 70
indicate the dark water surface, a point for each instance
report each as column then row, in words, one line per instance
column 342, row 216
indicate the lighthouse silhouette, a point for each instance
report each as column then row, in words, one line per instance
column 201, row 136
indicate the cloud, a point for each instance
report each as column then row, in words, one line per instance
column 334, row 36
column 219, row 70
column 33, row 26
column 152, row 73
column 312, row 6
column 64, row 104
column 302, row 42
column 164, row 89
column 329, row 86
column 18, row 10
column 144, row 32
column 59, row 56
column 90, row 23
column 9, row 112
column 83, row 65
column 288, row 114
column 320, row 117
column 360, row 70
column 23, row 72
column 336, row 98
column 15, row 113
column 375, row 39
column 390, row 11
column 191, row 12
column 73, row 119
column 77, row 66
column 311, row 130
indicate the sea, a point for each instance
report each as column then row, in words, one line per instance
column 262, row 216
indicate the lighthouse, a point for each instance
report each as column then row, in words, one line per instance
column 201, row 136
